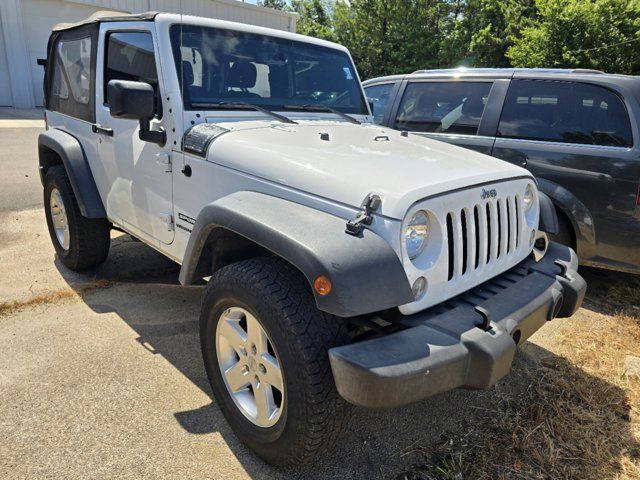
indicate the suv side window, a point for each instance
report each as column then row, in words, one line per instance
column 72, row 78
column 378, row 95
column 130, row 56
column 443, row 107
column 566, row 112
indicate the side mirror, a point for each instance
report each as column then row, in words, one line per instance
column 127, row 99
column 135, row 100
column 370, row 105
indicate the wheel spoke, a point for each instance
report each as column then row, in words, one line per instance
column 265, row 405
column 237, row 377
column 256, row 336
column 273, row 374
column 233, row 333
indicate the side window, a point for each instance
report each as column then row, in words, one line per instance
column 72, row 79
column 378, row 96
column 59, row 87
column 567, row 112
column 75, row 56
column 130, row 56
column 443, row 107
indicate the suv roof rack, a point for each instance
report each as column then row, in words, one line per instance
column 509, row 70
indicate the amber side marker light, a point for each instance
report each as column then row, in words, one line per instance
column 322, row 285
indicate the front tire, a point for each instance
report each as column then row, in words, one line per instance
column 265, row 342
column 79, row 242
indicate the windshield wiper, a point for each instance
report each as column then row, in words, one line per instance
column 241, row 106
column 322, row 108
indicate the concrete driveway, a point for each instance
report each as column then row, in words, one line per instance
column 101, row 375
column 18, row 154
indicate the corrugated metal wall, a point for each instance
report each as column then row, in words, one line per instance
column 233, row 10
column 25, row 26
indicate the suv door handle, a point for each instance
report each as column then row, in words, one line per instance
column 97, row 128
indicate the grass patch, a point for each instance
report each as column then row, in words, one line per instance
column 13, row 306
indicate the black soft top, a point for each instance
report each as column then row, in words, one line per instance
column 105, row 16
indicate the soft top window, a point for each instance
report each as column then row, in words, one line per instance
column 218, row 65
column 70, row 82
column 75, row 56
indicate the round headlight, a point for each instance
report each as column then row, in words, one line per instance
column 415, row 236
column 529, row 196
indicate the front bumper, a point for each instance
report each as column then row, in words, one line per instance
column 469, row 341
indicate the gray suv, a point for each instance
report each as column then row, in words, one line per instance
column 577, row 131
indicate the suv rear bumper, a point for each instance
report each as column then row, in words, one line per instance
column 470, row 341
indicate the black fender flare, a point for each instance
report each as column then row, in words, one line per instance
column 577, row 212
column 68, row 148
column 366, row 273
column 548, row 218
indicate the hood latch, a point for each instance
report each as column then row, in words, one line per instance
column 370, row 204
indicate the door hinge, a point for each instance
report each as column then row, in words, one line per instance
column 164, row 160
column 167, row 219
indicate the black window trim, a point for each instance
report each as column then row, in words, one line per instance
column 392, row 122
column 606, row 86
column 105, row 54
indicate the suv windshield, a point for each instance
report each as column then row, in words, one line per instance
column 218, row 65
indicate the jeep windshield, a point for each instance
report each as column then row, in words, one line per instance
column 217, row 65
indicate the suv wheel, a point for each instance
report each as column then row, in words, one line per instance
column 265, row 348
column 80, row 242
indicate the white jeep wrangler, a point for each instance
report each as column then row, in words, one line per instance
column 346, row 263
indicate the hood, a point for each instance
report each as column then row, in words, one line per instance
column 344, row 162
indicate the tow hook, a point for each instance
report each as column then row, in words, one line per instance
column 370, row 204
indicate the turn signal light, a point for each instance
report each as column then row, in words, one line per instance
column 322, row 285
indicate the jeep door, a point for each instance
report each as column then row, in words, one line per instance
column 577, row 139
column 139, row 172
column 450, row 110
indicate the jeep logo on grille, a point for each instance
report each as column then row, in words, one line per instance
column 489, row 193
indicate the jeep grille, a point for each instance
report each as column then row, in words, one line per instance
column 482, row 234
column 476, row 234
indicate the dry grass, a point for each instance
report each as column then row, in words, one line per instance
column 579, row 418
column 48, row 297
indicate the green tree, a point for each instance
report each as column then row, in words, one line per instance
column 389, row 36
column 600, row 34
column 275, row 4
column 482, row 31
column 315, row 18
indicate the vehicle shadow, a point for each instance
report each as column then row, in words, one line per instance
column 143, row 290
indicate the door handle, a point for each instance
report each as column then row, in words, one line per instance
column 97, row 128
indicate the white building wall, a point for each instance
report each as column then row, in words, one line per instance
column 25, row 26
column 5, row 79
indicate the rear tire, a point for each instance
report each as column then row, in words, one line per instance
column 312, row 414
column 79, row 242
